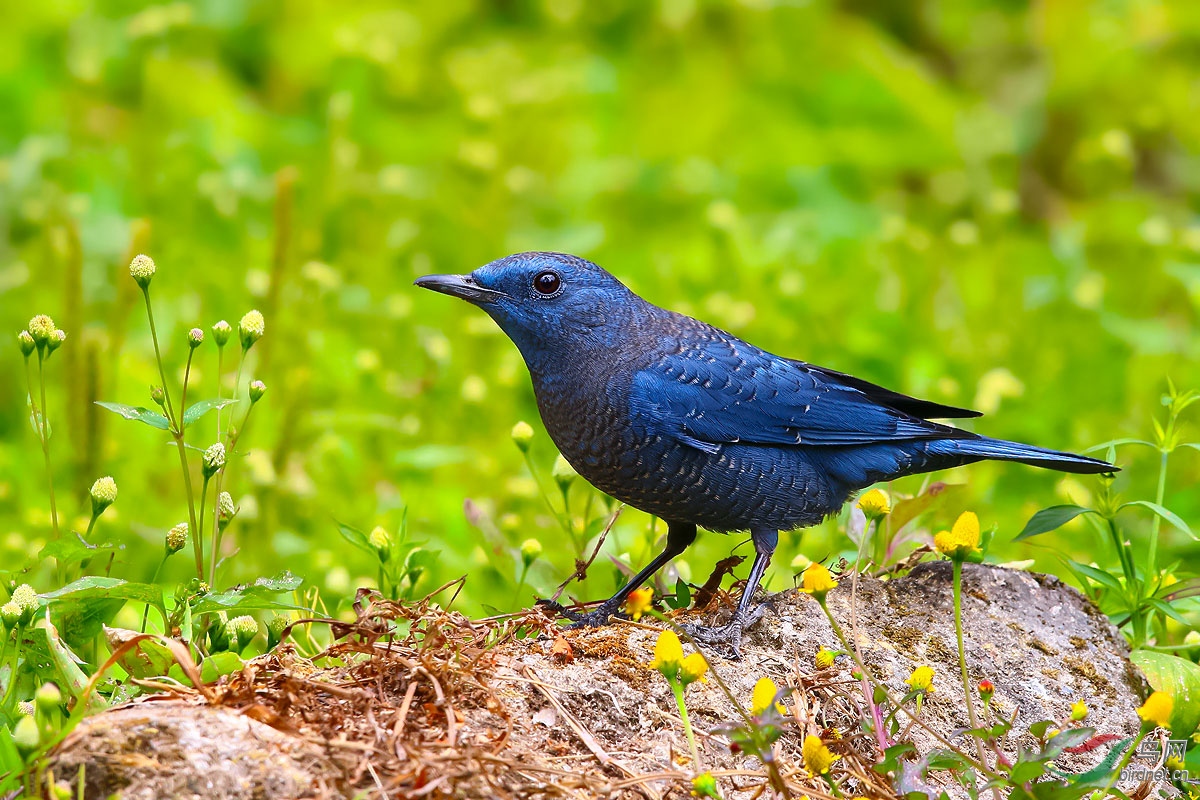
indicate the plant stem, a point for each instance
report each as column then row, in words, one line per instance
column 1155, row 525
column 520, row 583
column 45, row 433
column 187, row 374
column 220, row 387
column 677, row 689
column 146, row 613
column 962, row 659
column 197, row 545
column 10, row 693
column 162, row 374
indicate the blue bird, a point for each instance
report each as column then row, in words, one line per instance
column 702, row 429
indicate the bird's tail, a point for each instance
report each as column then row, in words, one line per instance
column 1000, row 450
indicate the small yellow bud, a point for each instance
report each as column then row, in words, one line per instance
column 763, row 697
column 103, row 494
column 10, row 615
column 142, row 270
column 824, row 658
column 563, row 472
column 251, row 328
column 55, row 341
column 381, row 540
column 817, row 581
column 240, row 631
column 220, row 332
column 668, row 655
column 41, row 328
column 705, row 785
column 1079, row 711
column 817, row 757
column 213, row 461
column 962, row 541
column 177, row 538
column 639, row 602
column 531, row 550
column 875, row 504
column 1156, row 711
column 48, row 698
column 693, row 669
column 27, row 601
column 522, row 435
column 921, row 679
column 226, row 510
column 25, row 735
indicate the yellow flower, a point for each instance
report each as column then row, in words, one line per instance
column 1079, row 711
column 817, row 757
column 824, row 658
column 875, row 503
column 921, row 679
column 705, row 785
column 963, row 540
column 639, row 601
column 1156, row 711
column 692, row 669
column 763, row 696
column 817, row 581
column 668, row 655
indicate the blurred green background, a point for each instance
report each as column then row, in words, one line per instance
column 990, row 204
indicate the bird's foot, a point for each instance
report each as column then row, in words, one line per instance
column 600, row 616
column 729, row 635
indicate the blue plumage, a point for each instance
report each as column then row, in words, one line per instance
column 688, row 422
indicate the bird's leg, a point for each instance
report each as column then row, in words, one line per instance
column 679, row 536
column 744, row 616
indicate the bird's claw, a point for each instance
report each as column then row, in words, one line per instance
column 583, row 619
column 730, row 634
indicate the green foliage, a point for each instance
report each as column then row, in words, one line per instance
column 987, row 204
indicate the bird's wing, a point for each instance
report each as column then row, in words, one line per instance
column 725, row 390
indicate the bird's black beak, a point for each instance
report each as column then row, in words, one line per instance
column 463, row 286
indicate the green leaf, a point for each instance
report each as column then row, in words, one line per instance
column 138, row 414
column 147, row 659
column 356, row 538
column 256, row 596
column 72, row 548
column 220, row 664
column 1051, row 518
column 1118, row 443
column 1038, row 729
column 1105, row 579
column 1179, row 678
column 98, row 587
column 1166, row 513
column 1025, row 771
column 1072, row 737
column 936, row 495
column 44, row 641
column 201, row 407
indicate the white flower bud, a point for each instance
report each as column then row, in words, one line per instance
column 142, row 269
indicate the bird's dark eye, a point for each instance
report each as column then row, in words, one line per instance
column 547, row 282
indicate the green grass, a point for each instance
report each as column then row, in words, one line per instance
column 980, row 203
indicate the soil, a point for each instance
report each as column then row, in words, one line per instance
column 423, row 702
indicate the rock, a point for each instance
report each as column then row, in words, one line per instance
column 582, row 711
column 186, row 751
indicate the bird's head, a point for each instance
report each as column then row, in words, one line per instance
column 543, row 299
